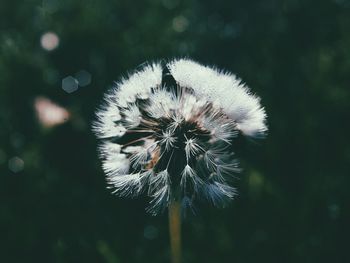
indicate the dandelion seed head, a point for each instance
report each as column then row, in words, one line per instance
column 166, row 131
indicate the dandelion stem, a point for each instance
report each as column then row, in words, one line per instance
column 175, row 230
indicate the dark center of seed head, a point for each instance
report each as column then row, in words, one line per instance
column 174, row 159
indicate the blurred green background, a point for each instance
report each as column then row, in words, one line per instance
column 294, row 196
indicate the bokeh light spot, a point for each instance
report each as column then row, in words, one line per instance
column 16, row 164
column 49, row 41
column 83, row 77
column 69, row 84
column 180, row 24
column 150, row 232
column 334, row 211
column 50, row 114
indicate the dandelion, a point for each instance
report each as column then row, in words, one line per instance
column 167, row 130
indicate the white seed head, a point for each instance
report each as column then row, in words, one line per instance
column 167, row 131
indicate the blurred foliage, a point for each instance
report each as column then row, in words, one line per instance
column 294, row 192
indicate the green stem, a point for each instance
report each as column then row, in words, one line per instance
column 175, row 230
